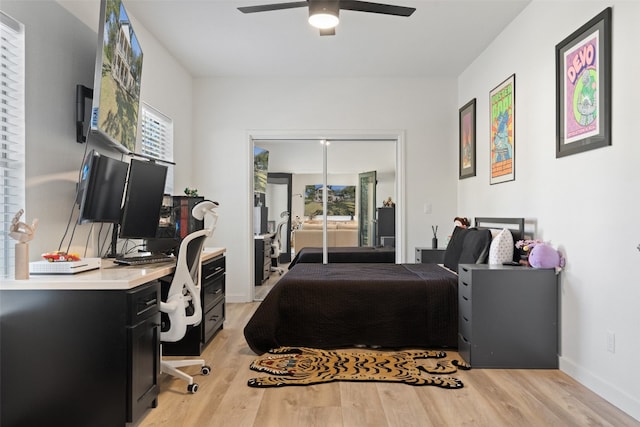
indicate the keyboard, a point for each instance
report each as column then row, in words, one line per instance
column 143, row 259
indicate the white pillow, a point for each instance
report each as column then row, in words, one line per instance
column 501, row 249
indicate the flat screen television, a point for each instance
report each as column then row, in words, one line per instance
column 143, row 200
column 118, row 73
column 101, row 187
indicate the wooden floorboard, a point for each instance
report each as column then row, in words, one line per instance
column 490, row 397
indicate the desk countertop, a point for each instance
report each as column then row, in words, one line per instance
column 109, row 276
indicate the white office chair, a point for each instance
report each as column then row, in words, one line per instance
column 183, row 305
column 276, row 243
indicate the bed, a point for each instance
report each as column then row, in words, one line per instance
column 352, row 254
column 380, row 305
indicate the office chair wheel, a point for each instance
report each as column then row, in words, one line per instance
column 206, row 370
column 192, row 388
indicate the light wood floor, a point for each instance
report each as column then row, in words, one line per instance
column 489, row 397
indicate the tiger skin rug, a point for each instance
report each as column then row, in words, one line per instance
column 306, row 366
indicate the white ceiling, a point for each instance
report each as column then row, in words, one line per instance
column 211, row 38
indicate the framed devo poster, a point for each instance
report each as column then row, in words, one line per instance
column 502, row 110
column 583, row 87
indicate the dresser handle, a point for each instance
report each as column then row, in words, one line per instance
column 465, row 298
column 465, row 283
column 465, row 319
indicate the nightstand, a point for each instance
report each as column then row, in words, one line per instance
column 507, row 316
column 429, row 256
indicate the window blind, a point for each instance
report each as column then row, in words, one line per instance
column 12, row 133
column 157, row 139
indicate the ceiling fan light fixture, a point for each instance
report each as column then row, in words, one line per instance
column 324, row 15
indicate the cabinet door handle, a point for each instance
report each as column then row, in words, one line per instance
column 151, row 302
column 465, row 319
column 464, row 283
column 465, row 298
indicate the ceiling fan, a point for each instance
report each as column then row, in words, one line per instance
column 323, row 14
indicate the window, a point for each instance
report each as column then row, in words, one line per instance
column 12, row 139
column 157, row 139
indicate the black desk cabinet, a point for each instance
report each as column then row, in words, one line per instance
column 212, row 298
column 78, row 357
column 262, row 259
column 507, row 316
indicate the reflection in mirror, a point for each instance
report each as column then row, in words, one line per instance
column 303, row 161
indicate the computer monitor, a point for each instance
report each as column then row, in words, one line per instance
column 143, row 200
column 100, row 190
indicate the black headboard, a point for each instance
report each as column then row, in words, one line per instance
column 516, row 225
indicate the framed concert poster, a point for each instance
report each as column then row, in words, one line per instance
column 502, row 111
column 583, row 87
column 467, row 135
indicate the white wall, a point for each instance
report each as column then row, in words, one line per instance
column 227, row 109
column 585, row 203
column 60, row 53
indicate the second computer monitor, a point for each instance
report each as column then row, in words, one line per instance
column 143, row 200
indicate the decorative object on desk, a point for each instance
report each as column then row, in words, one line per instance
column 434, row 240
column 305, row 366
column 60, row 256
column 583, row 87
column 502, row 112
column 388, row 203
column 467, row 135
column 22, row 233
column 541, row 254
column 191, row 192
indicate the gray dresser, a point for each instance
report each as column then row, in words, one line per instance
column 507, row 316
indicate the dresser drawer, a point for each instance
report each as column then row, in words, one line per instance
column 144, row 302
column 212, row 269
column 464, row 348
column 211, row 293
column 213, row 320
column 464, row 274
column 464, row 325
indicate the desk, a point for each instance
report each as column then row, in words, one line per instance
column 83, row 349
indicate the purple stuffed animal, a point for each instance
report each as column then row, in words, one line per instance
column 542, row 255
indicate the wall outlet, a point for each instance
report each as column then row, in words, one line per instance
column 611, row 342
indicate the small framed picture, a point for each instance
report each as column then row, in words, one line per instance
column 467, row 135
column 502, row 112
column 583, row 87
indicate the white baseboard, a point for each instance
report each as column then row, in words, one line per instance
column 611, row 393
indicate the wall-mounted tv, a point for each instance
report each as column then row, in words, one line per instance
column 118, row 73
column 101, row 187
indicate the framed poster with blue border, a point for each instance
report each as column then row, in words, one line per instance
column 583, row 87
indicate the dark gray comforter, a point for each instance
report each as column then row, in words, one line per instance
column 346, row 305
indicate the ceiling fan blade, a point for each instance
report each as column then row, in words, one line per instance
column 276, row 6
column 328, row 31
column 386, row 9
